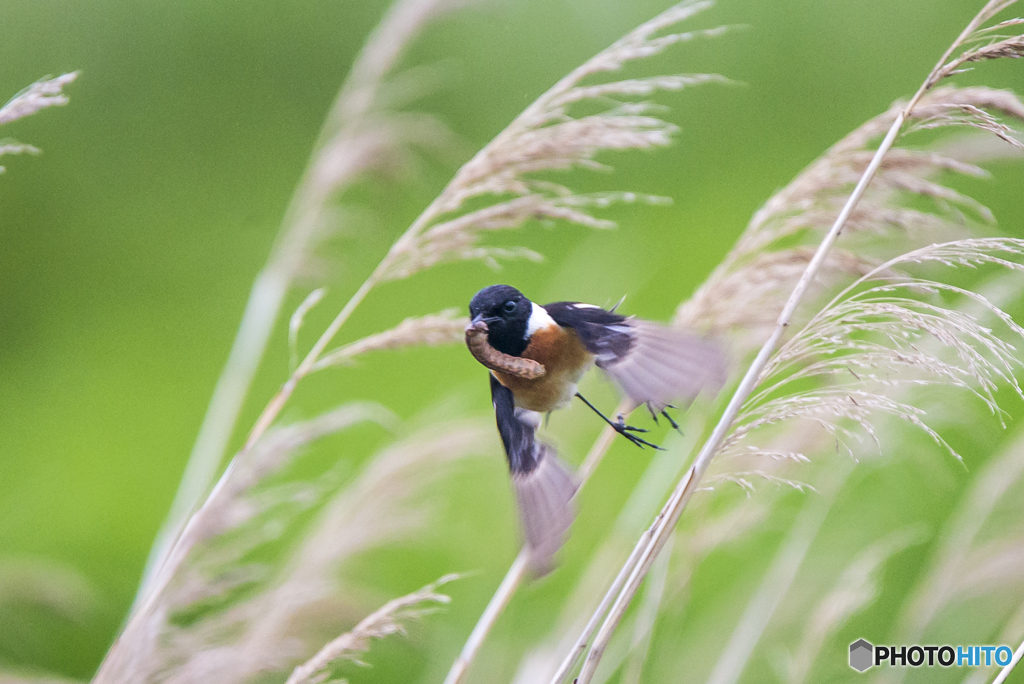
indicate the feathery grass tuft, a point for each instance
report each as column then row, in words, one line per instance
column 547, row 136
column 364, row 133
column 387, row 620
column 831, row 405
column 48, row 92
column 445, row 327
column 219, row 616
column 891, row 317
column 40, row 95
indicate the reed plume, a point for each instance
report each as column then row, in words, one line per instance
column 221, row 616
column 845, row 405
column 366, row 132
column 48, row 92
column 59, row 590
column 386, row 620
column 546, row 137
column 888, row 321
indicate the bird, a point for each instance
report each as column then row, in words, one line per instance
column 652, row 364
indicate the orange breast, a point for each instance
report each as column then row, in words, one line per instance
column 565, row 360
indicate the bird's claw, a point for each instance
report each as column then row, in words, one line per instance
column 627, row 432
column 664, row 414
column 620, row 425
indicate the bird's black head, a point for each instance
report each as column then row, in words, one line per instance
column 507, row 314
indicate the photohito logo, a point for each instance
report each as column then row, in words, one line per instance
column 864, row 654
column 861, row 655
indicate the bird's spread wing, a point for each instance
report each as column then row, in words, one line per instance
column 653, row 364
column 544, row 489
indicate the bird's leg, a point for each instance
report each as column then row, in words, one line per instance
column 665, row 415
column 674, row 424
column 620, row 426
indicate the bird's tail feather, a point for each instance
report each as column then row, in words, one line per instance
column 546, row 510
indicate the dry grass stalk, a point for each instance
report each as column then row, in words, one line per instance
column 747, row 289
column 40, row 95
column 995, row 46
column 363, row 133
column 12, row 678
column 857, row 587
column 515, row 576
column 230, row 506
column 1005, row 672
column 853, row 591
column 269, row 630
column 296, row 320
column 643, row 626
column 652, row 487
column 445, row 327
column 545, row 137
column 716, row 529
column 959, row 560
column 385, row 621
column 752, row 625
column 691, row 548
column 653, row 541
column 874, row 337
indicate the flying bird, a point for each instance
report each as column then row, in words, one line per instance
column 653, row 364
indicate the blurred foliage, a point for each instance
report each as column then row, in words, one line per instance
column 129, row 246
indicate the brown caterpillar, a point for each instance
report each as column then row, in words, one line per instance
column 476, row 340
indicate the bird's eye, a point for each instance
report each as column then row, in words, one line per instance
column 510, row 306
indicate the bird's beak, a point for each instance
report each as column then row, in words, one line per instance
column 486, row 319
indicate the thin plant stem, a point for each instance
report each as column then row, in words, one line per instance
column 354, row 101
column 580, row 646
column 258, row 320
column 669, row 515
column 673, row 509
column 517, row 572
column 382, row 622
column 776, row 582
column 273, row 408
column 1005, row 672
column 178, row 550
column 495, row 607
column 643, row 629
column 281, row 398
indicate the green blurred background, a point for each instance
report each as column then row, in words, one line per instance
column 129, row 246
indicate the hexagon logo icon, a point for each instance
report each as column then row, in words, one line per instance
column 861, row 655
